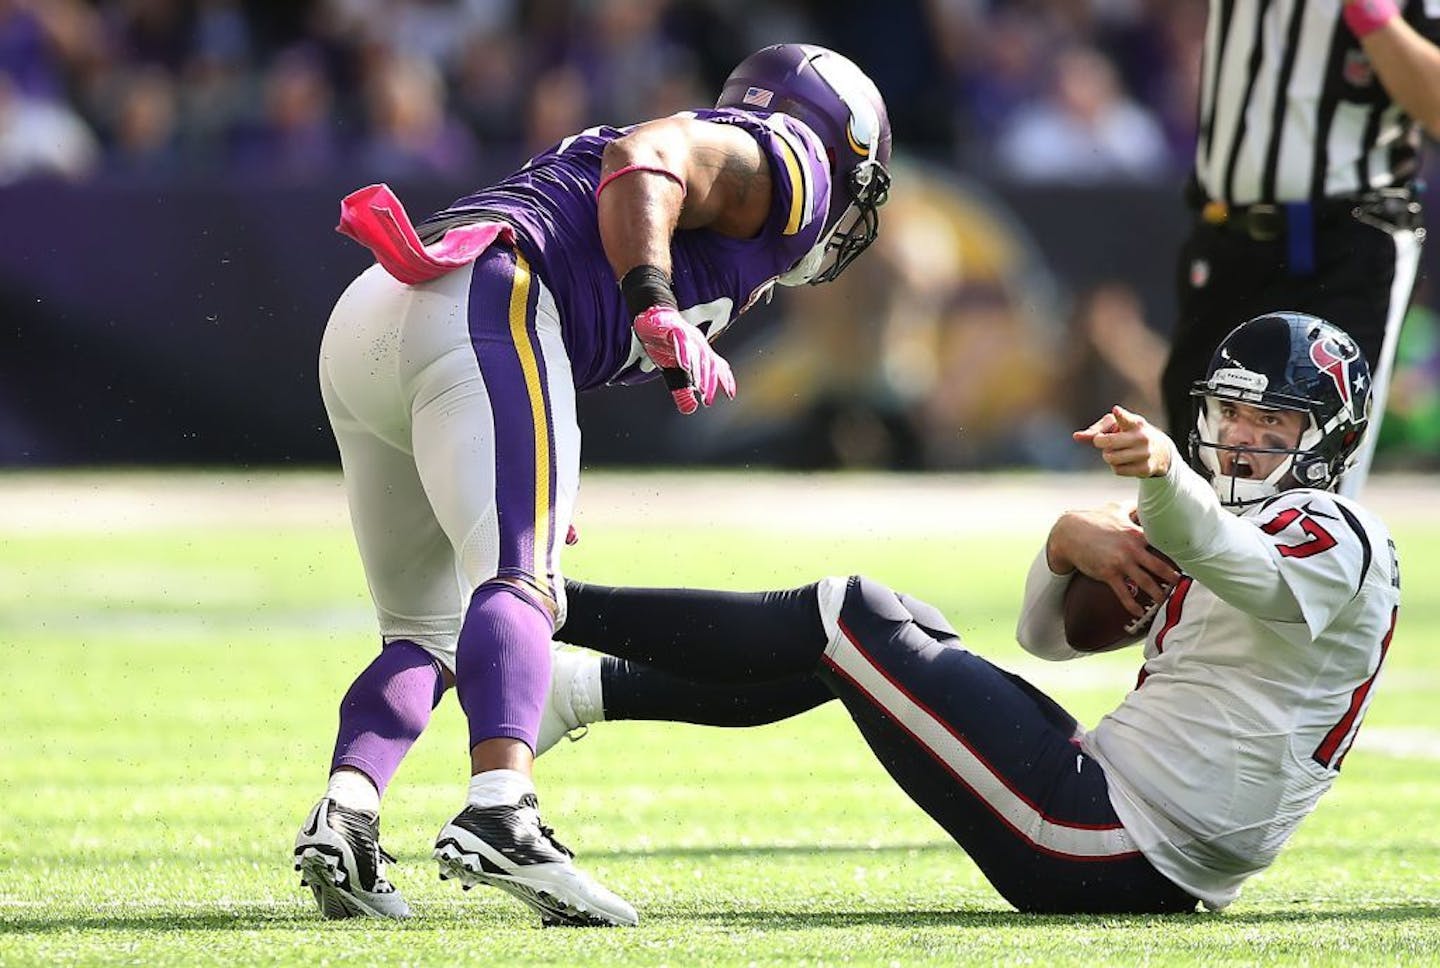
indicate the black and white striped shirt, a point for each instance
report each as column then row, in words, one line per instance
column 1291, row 108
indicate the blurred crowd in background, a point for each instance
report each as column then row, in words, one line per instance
column 954, row 346
column 1058, row 90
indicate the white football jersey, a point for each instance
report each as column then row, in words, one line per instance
column 1258, row 670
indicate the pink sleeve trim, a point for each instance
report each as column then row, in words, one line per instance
column 653, row 169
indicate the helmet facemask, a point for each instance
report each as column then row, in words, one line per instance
column 853, row 232
column 1238, row 491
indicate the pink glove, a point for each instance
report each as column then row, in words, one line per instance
column 684, row 358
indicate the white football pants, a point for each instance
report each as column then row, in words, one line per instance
column 453, row 406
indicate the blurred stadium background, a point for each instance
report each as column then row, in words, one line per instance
column 169, row 173
column 174, row 640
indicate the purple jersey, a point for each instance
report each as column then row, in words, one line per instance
column 551, row 204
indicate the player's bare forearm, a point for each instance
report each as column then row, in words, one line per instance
column 1409, row 67
column 639, row 204
column 678, row 173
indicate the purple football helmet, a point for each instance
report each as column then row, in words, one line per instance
column 842, row 106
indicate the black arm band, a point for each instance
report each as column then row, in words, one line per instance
column 645, row 286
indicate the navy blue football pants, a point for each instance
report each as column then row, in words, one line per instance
column 991, row 758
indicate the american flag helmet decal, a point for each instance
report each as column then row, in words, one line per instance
column 758, row 96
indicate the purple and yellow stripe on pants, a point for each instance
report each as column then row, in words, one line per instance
column 502, row 310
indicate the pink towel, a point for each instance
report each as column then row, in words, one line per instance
column 374, row 217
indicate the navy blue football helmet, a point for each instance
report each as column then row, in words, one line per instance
column 1284, row 361
column 835, row 99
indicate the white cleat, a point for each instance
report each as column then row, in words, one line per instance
column 339, row 857
column 559, row 719
column 509, row 848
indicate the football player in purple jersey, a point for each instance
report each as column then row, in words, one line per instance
column 449, row 372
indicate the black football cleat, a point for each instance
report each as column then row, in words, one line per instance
column 339, row 857
column 509, row 848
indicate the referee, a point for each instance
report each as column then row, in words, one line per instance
column 1304, row 187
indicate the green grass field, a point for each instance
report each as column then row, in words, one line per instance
column 172, row 652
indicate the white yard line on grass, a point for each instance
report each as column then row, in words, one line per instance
column 124, row 502
column 851, row 505
column 1402, row 742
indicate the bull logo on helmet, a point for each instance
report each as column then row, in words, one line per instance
column 1333, row 357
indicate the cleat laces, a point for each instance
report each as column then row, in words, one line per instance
column 549, row 834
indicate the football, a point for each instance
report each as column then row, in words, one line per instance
column 1096, row 621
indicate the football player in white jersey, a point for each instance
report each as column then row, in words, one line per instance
column 1258, row 666
column 1261, row 663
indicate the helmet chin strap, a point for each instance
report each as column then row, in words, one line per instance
column 1238, row 493
column 813, row 261
column 808, row 267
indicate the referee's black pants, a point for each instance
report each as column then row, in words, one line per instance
column 1225, row 277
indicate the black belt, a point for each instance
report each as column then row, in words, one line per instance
column 1394, row 209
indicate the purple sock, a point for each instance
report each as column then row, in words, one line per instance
column 386, row 709
column 502, row 665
